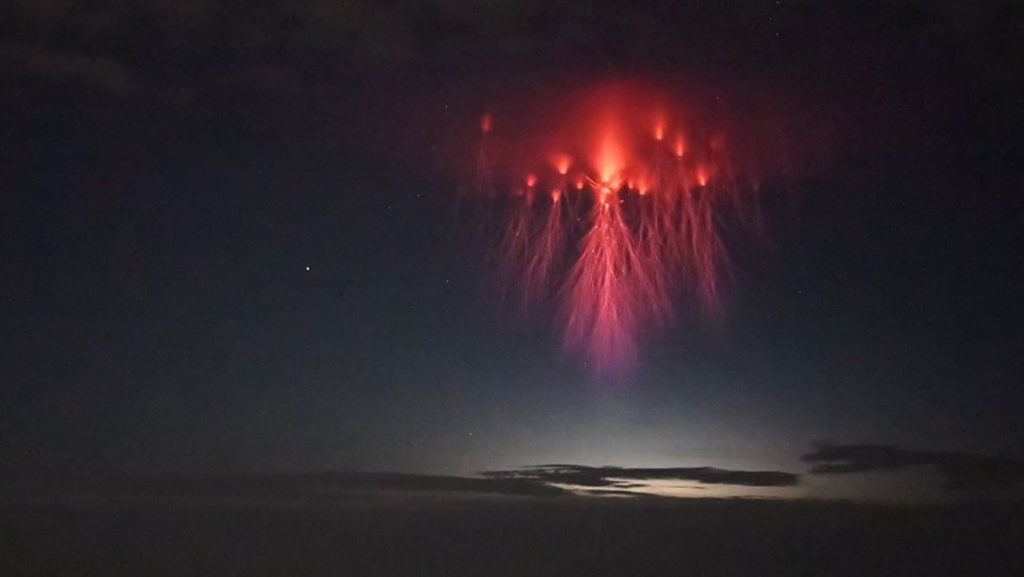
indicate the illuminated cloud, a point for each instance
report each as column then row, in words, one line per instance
column 624, row 478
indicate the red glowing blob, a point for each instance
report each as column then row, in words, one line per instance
column 659, row 129
column 562, row 162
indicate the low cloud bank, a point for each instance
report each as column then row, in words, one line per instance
column 960, row 471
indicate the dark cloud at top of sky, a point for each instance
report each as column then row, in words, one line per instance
column 184, row 47
column 98, row 72
column 960, row 471
column 619, row 477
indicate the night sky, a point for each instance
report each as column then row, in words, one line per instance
column 230, row 241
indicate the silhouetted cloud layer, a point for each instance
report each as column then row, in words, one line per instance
column 960, row 471
column 620, row 478
column 276, row 486
column 328, row 486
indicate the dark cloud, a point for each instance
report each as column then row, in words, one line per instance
column 619, row 478
column 188, row 45
column 531, row 481
column 95, row 72
column 621, row 493
column 269, row 44
column 277, row 486
column 960, row 471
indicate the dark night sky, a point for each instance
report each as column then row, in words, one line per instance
column 169, row 172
